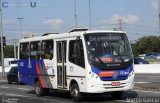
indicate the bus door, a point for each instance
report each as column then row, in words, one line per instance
column 61, row 64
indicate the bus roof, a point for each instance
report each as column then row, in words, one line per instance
column 65, row 35
column 104, row 31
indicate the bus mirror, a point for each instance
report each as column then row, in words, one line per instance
column 78, row 41
column 51, row 58
column 78, row 38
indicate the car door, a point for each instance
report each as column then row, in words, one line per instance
column 14, row 74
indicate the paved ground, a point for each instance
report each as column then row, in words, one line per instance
column 147, row 82
column 147, row 88
column 25, row 94
column 147, row 78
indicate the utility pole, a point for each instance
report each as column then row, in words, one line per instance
column 1, row 32
column 159, row 13
column 15, row 56
column 75, row 13
column 20, row 20
column 90, row 19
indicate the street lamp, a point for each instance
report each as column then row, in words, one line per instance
column 90, row 19
column 1, row 33
column 159, row 13
column 20, row 20
column 75, row 12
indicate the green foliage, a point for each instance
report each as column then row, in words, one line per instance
column 9, row 51
column 146, row 44
column 143, row 45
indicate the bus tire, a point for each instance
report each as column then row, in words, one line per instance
column 38, row 89
column 75, row 93
column 117, row 94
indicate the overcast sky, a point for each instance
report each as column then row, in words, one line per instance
column 138, row 17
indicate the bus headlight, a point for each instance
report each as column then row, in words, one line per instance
column 93, row 75
column 131, row 73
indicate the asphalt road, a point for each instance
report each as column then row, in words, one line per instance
column 25, row 94
column 147, row 78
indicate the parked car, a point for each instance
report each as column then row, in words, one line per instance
column 152, row 55
column 13, row 63
column 9, row 61
column 138, row 60
column 8, row 64
column 12, row 75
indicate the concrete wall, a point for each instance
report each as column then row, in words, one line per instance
column 147, row 68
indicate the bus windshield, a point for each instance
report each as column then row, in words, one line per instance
column 108, row 50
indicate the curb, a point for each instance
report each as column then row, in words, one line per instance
column 149, row 87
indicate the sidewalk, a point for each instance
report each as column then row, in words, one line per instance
column 2, row 78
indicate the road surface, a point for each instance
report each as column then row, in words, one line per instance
column 147, row 78
column 25, row 94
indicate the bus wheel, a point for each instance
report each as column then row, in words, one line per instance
column 38, row 89
column 75, row 93
column 117, row 94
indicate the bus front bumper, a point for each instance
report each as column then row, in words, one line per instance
column 106, row 86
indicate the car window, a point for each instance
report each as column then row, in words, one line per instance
column 140, row 61
column 143, row 61
column 13, row 62
column 14, row 70
column 135, row 61
column 148, row 54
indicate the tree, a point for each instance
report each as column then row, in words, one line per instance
column 9, row 51
column 146, row 44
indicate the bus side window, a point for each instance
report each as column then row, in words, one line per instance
column 47, row 49
column 24, row 51
column 76, row 53
column 35, row 50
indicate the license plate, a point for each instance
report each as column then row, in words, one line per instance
column 116, row 83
